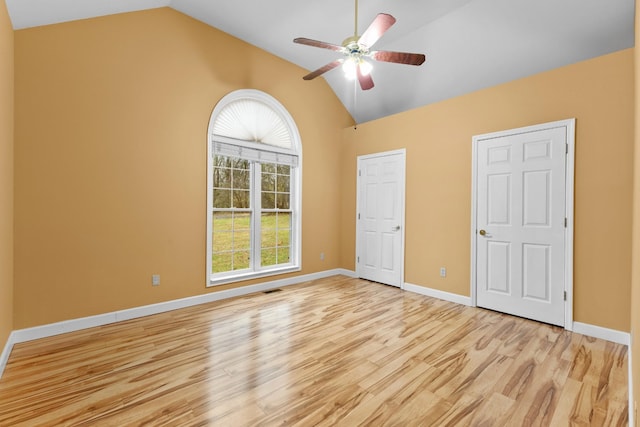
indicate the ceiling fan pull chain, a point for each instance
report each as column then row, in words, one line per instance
column 355, row 105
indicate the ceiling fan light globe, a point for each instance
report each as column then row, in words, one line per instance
column 349, row 68
column 365, row 67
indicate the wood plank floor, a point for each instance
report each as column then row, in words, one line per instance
column 336, row 351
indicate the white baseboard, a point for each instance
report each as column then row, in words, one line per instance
column 44, row 331
column 29, row 334
column 345, row 272
column 447, row 296
column 602, row 333
column 630, row 383
column 4, row 357
column 580, row 328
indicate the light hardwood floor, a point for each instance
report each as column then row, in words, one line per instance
column 336, row 351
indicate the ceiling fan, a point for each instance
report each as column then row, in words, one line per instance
column 357, row 48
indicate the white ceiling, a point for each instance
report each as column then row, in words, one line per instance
column 469, row 44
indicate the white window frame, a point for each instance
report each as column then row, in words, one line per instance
column 295, row 188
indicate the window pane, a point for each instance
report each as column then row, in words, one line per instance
column 222, row 178
column 222, row 221
column 275, row 240
column 283, row 183
column 283, row 201
column 268, row 182
column 241, row 199
column 268, row 168
column 268, row 200
column 222, row 241
column 240, row 260
column 222, row 231
column 269, row 257
column 284, row 220
column 284, row 170
column 221, row 262
column 231, row 246
column 242, row 231
column 241, row 179
column 241, row 221
column 221, row 161
column 221, row 198
column 268, row 226
column 240, row 164
column 283, row 255
column 241, row 240
column 284, row 237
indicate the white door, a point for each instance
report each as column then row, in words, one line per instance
column 380, row 218
column 520, row 223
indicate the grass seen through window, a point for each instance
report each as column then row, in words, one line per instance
column 232, row 240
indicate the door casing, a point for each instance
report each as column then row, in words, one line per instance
column 569, row 125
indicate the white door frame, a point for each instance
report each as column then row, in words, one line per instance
column 569, row 125
column 403, row 152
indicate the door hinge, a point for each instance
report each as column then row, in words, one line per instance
column 359, row 172
column 358, row 258
column 358, row 216
column 565, row 295
column 565, row 222
column 566, row 150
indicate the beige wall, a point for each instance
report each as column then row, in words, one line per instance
column 598, row 93
column 110, row 131
column 111, row 121
column 6, row 175
column 635, row 298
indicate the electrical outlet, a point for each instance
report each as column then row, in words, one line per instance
column 321, row 256
column 443, row 272
column 155, row 280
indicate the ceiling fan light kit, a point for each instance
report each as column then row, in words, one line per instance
column 356, row 50
column 350, row 67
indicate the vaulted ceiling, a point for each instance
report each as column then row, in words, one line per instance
column 469, row 44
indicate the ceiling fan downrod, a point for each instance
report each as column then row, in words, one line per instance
column 355, row 26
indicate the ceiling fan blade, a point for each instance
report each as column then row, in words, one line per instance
column 398, row 57
column 378, row 27
column 330, row 66
column 366, row 82
column 316, row 43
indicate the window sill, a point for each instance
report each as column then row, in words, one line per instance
column 231, row 278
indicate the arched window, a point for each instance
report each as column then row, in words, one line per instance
column 253, row 189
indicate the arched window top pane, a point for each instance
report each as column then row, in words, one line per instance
column 253, row 116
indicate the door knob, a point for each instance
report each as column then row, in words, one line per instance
column 396, row 228
column 482, row 232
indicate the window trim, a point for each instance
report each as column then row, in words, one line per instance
column 296, row 188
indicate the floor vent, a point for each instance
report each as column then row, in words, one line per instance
column 270, row 291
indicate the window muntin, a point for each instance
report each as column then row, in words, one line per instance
column 253, row 221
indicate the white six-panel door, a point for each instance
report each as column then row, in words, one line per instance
column 380, row 222
column 520, row 224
